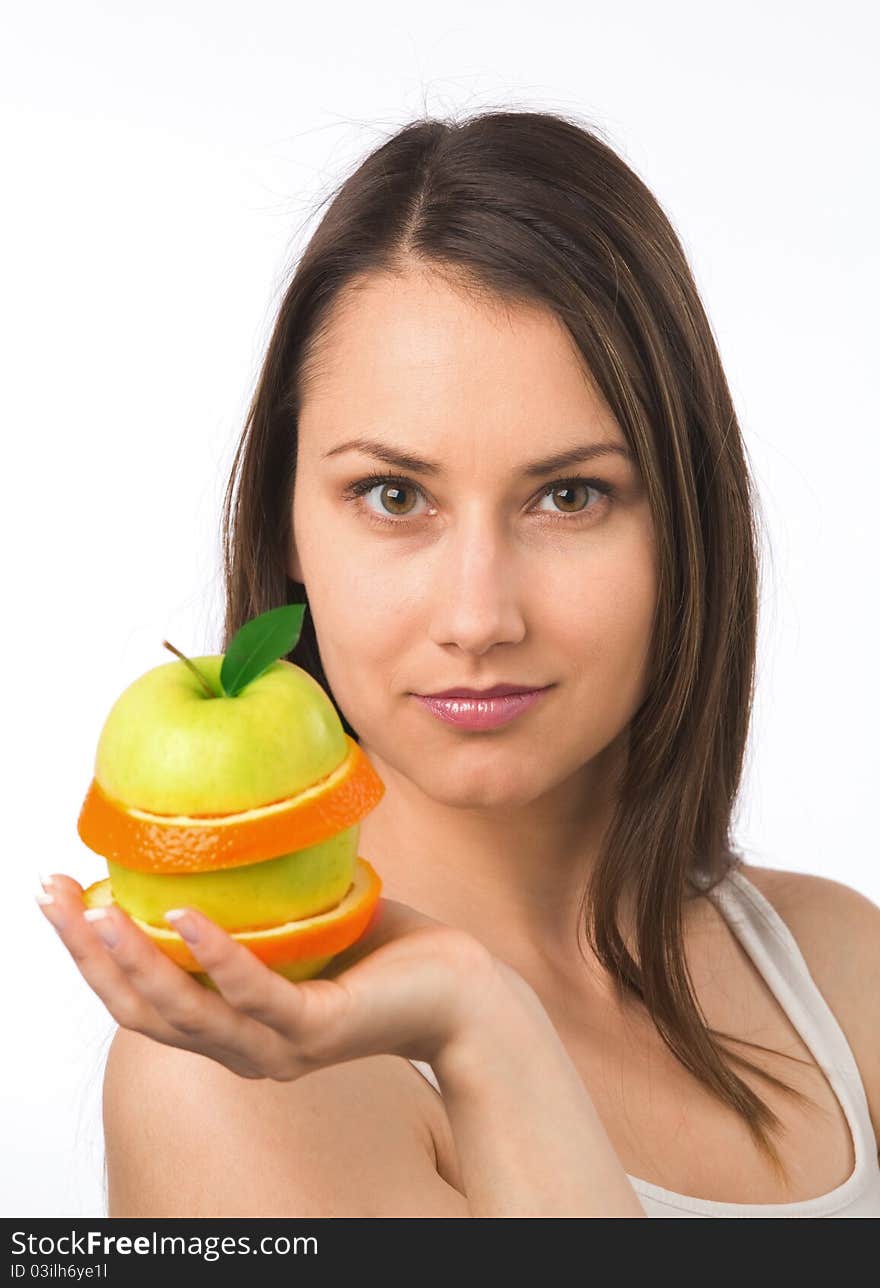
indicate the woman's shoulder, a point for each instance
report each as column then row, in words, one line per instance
column 185, row 1136
column 837, row 930
column 823, row 915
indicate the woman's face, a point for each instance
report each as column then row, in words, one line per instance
column 475, row 572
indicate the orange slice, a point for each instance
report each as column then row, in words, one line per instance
column 324, row 935
column 177, row 843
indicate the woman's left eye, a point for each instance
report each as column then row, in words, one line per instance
column 573, row 488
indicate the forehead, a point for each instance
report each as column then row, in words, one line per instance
column 415, row 353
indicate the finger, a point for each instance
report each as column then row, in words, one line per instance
column 289, row 1015
column 129, row 1001
column 206, row 1016
column 64, row 913
column 393, row 922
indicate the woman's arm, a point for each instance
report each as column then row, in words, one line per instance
column 187, row 1138
column 528, row 1137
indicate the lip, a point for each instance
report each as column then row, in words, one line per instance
column 481, row 712
column 496, row 691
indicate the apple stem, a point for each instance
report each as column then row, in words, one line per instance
column 195, row 670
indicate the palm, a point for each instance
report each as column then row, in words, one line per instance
column 395, row 989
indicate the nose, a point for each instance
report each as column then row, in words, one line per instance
column 477, row 590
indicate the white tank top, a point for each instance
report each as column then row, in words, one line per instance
column 774, row 951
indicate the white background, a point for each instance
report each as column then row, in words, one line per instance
column 161, row 167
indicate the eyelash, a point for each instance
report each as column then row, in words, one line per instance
column 356, row 491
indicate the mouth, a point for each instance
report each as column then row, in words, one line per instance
column 481, row 712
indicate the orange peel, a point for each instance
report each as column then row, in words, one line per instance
column 174, row 844
column 323, row 935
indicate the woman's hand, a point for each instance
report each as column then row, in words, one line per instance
column 410, row 986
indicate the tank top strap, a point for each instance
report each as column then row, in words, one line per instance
column 427, row 1072
column 776, row 955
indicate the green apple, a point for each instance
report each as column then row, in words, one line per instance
column 250, row 897
column 169, row 748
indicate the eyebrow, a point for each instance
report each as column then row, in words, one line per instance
column 418, row 465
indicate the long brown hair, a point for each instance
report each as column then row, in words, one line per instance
column 532, row 207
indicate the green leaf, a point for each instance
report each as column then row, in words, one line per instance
column 259, row 643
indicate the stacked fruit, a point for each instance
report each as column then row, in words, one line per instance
column 229, row 784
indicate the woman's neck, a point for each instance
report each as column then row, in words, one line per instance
column 514, row 877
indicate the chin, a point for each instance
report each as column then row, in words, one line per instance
column 481, row 786
column 480, row 772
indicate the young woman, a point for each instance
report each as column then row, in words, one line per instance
column 492, row 444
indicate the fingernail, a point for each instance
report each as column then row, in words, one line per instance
column 100, row 918
column 183, row 924
column 50, row 907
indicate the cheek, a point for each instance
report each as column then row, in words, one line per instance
column 344, row 568
column 607, row 622
column 363, row 626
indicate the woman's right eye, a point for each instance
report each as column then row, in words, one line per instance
column 392, row 489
